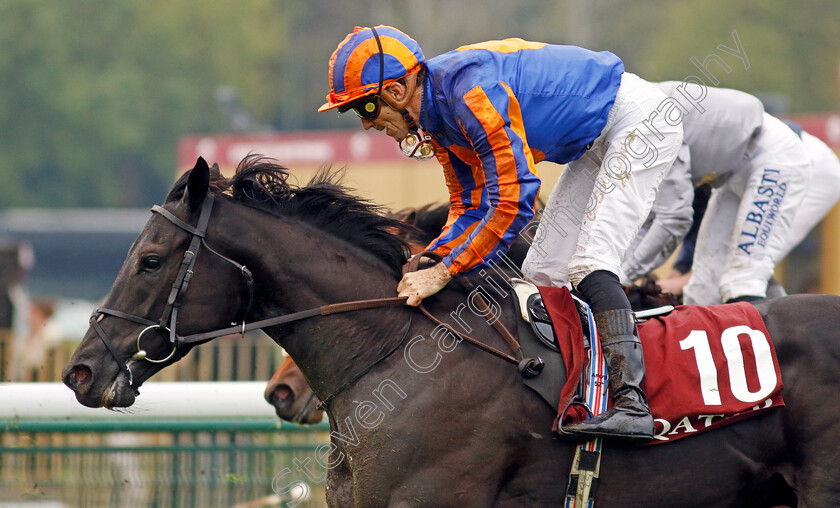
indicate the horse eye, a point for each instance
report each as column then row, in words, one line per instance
column 151, row 263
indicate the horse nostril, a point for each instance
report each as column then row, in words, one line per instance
column 282, row 393
column 78, row 376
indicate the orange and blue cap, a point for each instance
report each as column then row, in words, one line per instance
column 358, row 67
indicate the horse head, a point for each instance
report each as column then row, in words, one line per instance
column 221, row 250
column 131, row 335
column 291, row 396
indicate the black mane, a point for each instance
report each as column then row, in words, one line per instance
column 428, row 220
column 323, row 203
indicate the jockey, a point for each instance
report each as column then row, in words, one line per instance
column 759, row 172
column 489, row 112
column 822, row 194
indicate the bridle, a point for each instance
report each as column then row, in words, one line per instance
column 169, row 317
column 311, row 403
column 168, row 321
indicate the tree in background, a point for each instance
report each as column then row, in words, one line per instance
column 95, row 95
column 792, row 47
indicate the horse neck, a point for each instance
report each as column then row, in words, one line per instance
column 297, row 267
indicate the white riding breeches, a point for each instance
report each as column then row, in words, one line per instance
column 602, row 199
column 822, row 193
column 749, row 220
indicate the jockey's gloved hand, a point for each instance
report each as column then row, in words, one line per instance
column 423, row 283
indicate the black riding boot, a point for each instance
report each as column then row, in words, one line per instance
column 630, row 418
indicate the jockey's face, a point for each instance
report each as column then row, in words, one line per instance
column 394, row 97
column 390, row 120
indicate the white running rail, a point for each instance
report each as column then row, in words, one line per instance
column 236, row 399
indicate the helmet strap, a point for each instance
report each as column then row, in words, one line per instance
column 417, row 147
column 409, row 120
column 381, row 60
column 414, row 145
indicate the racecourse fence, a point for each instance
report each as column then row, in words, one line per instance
column 188, row 445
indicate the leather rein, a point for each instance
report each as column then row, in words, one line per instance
column 168, row 320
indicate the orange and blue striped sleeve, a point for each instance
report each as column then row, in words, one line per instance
column 464, row 202
column 493, row 184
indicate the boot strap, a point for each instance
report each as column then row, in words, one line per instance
column 616, row 326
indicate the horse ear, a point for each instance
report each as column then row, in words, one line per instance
column 198, row 184
column 411, row 218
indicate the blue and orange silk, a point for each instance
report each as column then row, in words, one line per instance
column 497, row 108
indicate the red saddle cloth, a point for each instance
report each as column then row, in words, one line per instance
column 706, row 366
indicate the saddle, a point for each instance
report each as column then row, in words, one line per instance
column 538, row 338
column 719, row 357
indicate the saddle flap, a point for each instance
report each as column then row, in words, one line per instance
column 551, row 379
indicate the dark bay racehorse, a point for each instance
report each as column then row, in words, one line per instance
column 418, row 418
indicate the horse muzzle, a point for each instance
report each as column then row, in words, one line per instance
column 120, row 393
column 80, row 378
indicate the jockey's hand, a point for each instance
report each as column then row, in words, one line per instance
column 675, row 282
column 423, row 283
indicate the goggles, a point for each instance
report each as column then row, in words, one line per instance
column 367, row 107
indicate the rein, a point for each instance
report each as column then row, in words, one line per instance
column 185, row 273
column 324, row 310
column 414, row 264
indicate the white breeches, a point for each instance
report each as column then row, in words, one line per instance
column 822, row 193
column 601, row 200
column 749, row 220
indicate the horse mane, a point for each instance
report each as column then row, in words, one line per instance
column 428, row 221
column 432, row 220
column 324, row 203
column 648, row 295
